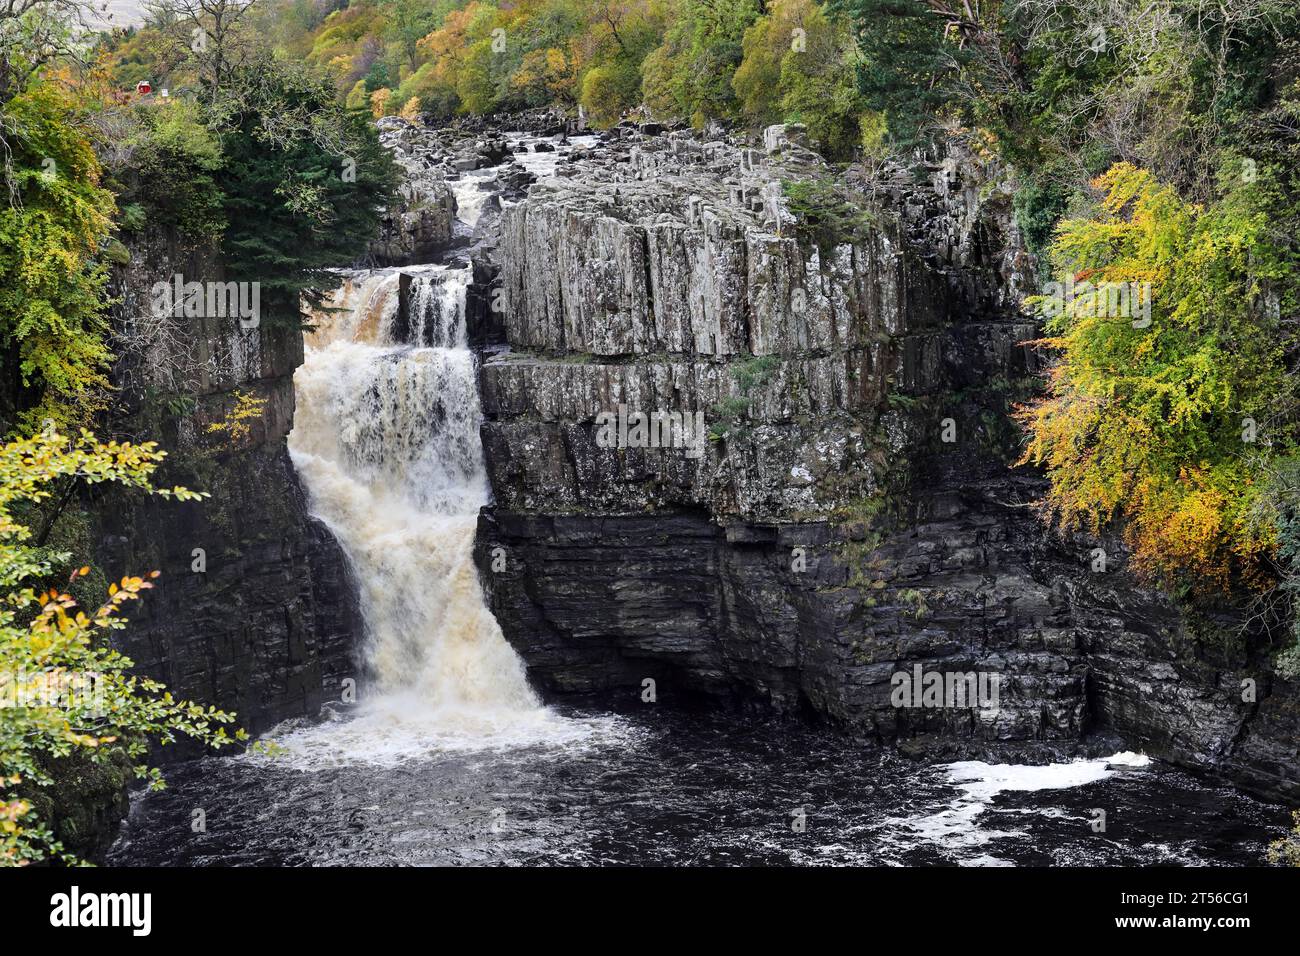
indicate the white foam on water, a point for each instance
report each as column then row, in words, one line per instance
column 398, row 727
column 982, row 781
column 1128, row 758
column 957, row 826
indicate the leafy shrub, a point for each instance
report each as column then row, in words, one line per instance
column 608, row 90
column 66, row 691
column 169, row 182
column 58, row 218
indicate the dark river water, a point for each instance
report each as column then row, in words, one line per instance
column 679, row 789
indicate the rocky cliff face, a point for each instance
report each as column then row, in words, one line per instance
column 647, row 277
column 852, row 515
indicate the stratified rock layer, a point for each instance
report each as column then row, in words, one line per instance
column 853, row 516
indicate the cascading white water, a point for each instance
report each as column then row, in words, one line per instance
column 472, row 191
column 386, row 441
column 438, row 309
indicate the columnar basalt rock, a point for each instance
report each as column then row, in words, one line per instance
column 662, row 273
column 812, row 418
column 640, row 251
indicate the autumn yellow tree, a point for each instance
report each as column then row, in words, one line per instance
column 1157, row 417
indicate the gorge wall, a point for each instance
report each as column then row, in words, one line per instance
column 827, row 536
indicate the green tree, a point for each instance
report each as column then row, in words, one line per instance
column 608, row 90
column 55, row 221
column 477, row 85
column 795, row 70
column 913, row 52
column 171, row 173
column 304, row 184
column 36, row 34
column 408, row 22
column 690, row 73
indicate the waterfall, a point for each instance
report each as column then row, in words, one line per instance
column 386, row 440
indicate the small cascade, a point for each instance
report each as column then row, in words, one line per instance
column 362, row 309
column 437, row 308
column 472, row 191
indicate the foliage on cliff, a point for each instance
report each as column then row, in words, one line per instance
column 1170, row 366
column 1068, row 87
column 237, row 427
column 54, row 221
column 1286, row 851
column 797, row 68
column 823, row 217
column 1148, row 143
column 1152, row 146
column 63, row 691
column 303, row 184
column 269, row 169
column 166, row 176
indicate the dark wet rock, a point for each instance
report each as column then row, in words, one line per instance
column 513, row 182
column 87, row 801
column 494, row 152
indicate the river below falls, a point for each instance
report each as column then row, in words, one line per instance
column 666, row 788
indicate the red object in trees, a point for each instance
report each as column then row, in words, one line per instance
column 144, row 87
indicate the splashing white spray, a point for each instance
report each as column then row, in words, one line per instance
column 386, row 441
